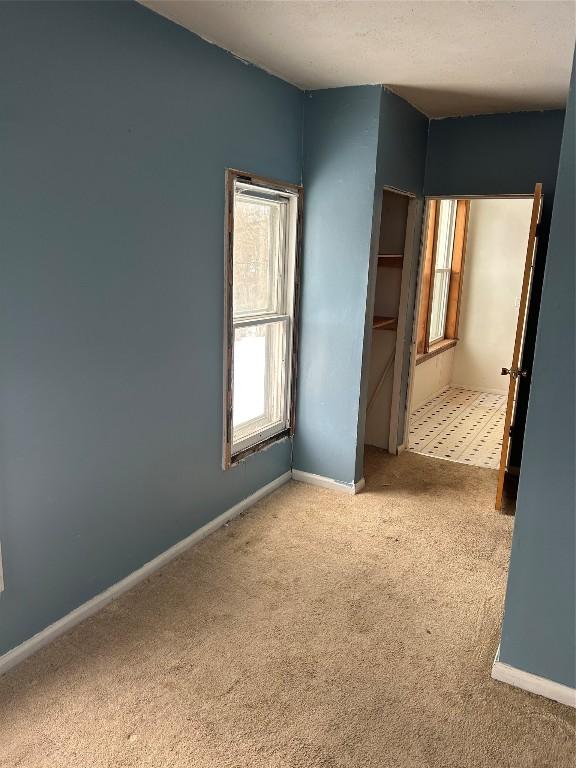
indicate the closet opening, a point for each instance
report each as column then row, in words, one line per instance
column 396, row 261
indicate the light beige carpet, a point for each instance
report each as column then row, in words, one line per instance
column 319, row 630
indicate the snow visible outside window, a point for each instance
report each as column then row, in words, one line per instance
column 262, row 302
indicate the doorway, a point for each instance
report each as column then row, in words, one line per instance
column 473, row 290
column 396, row 264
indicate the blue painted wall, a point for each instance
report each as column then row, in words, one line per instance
column 402, row 141
column 116, row 127
column 403, row 138
column 340, row 148
column 501, row 155
column 493, row 154
column 539, row 619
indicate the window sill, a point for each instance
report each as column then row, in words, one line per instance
column 242, row 454
column 436, row 349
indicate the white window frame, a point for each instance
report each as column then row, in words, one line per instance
column 258, row 433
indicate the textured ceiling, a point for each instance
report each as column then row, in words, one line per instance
column 446, row 58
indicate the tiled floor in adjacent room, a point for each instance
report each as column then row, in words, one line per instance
column 460, row 425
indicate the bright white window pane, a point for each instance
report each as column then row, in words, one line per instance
column 445, row 242
column 258, row 251
column 439, row 305
column 249, row 375
column 259, row 380
column 441, row 284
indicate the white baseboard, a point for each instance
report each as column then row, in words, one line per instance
column 533, row 683
column 50, row 633
column 327, row 482
column 359, row 486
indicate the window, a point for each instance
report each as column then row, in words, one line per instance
column 442, row 272
column 442, row 269
column 262, row 251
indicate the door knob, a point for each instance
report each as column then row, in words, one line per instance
column 514, row 372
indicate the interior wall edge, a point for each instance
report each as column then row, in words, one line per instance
column 340, row 150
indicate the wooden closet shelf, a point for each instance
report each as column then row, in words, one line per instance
column 386, row 260
column 380, row 323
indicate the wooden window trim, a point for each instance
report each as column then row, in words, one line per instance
column 457, row 269
column 427, row 272
column 436, row 349
column 424, row 349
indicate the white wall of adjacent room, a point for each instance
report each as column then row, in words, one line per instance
column 495, row 256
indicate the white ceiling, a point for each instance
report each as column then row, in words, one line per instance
column 445, row 57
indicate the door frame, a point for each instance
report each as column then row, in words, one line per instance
column 411, row 240
column 405, row 417
column 519, row 343
column 411, row 258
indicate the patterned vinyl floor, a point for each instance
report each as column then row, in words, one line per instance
column 460, row 425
